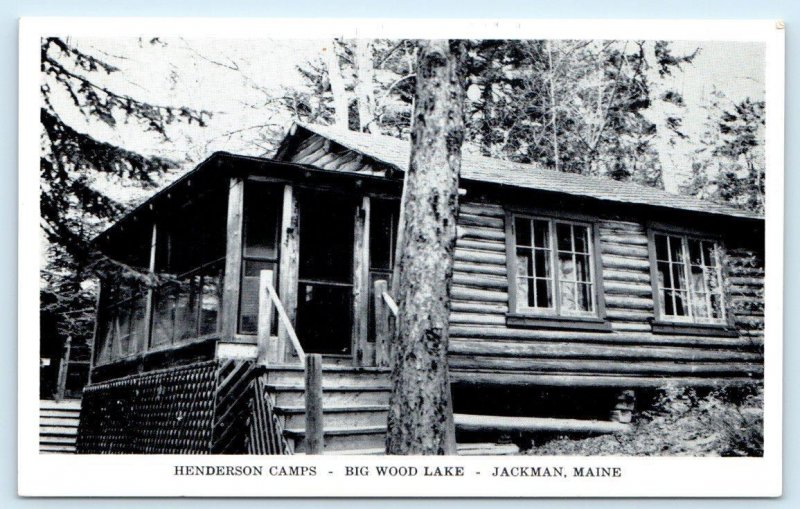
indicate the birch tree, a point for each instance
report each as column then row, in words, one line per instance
column 420, row 410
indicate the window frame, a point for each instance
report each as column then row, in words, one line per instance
column 668, row 324
column 553, row 318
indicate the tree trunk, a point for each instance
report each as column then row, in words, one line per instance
column 340, row 108
column 365, row 88
column 420, row 410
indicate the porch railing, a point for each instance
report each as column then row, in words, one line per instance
column 385, row 319
column 274, row 351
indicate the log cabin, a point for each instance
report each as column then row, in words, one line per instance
column 571, row 294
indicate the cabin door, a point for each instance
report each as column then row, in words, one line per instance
column 325, row 284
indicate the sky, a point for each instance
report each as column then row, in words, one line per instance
column 235, row 79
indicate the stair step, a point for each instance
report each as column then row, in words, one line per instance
column 338, row 416
column 338, row 439
column 59, row 412
column 58, row 421
column 293, row 395
column 64, row 404
column 53, row 439
column 53, row 449
column 372, row 451
column 66, row 431
column 333, row 388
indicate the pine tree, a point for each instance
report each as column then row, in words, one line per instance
column 76, row 170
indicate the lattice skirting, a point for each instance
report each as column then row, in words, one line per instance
column 203, row 408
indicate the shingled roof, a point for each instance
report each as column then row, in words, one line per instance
column 395, row 152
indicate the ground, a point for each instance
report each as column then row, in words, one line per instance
column 678, row 422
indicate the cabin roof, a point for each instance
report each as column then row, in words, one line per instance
column 395, row 152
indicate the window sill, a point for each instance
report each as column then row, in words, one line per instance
column 694, row 329
column 557, row 322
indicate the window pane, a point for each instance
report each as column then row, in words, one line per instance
column 584, row 302
column 567, row 297
column 525, row 292
column 678, row 276
column 123, row 328
column 544, row 293
column 522, row 229
column 581, row 236
column 664, row 275
column 667, row 303
column 680, row 304
column 524, row 262
column 210, row 300
column 710, row 250
column 697, row 279
column 186, row 309
column 695, row 252
column 541, row 233
column 661, row 247
column 262, row 205
column 583, row 269
column 676, row 249
column 564, row 236
column 542, row 259
column 162, row 316
column 138, row 311
column 566, row 267
column 248, row 305
column 382, row 233
column 699, row 305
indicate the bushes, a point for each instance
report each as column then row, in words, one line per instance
column 680, row 422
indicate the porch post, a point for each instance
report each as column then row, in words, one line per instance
column 233, row 260
column 288, row 265
column 148, row 310
column 361, row 356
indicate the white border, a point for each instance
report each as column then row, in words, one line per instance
column 62, row 475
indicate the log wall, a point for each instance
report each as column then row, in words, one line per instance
column 484, row 349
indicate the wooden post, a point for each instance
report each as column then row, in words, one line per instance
column 382, row 333
column 63, row 367
column 623, row 410
column 233, row 260
column 288, row 265
column 148, row 310
column 361, row 284
column 315, row 440
column 94, row 346
column 266, row 348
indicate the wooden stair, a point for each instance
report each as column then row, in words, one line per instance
column 355, row 405
column 58, row 425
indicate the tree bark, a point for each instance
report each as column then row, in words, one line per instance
column 420, row 410
column 340, row 108
column 365, row 87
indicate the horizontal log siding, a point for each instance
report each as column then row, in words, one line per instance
column 483, row 349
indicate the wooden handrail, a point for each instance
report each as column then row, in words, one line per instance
column 385, row 314
column 391, row 303
column 268, row 297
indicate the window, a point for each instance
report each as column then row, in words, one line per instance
column 688, row 276
column 552, row 268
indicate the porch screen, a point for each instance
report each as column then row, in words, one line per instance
column 262, row 206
